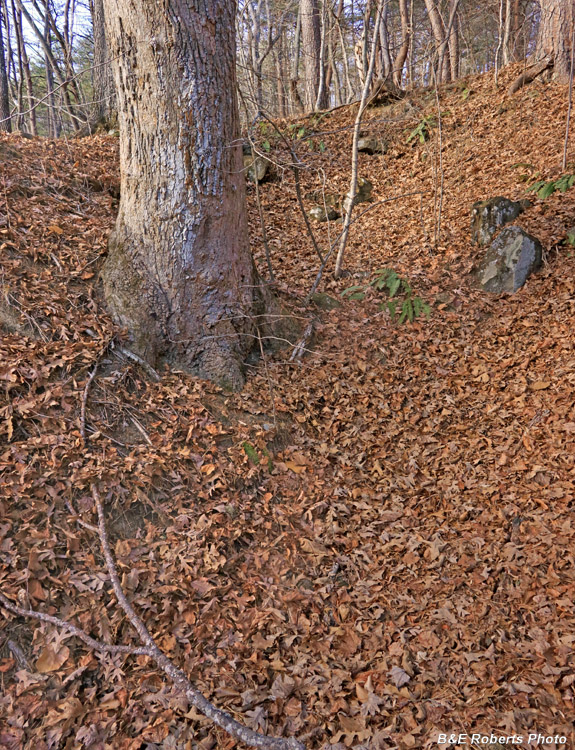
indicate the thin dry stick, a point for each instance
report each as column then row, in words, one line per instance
column 295, row 167
column 302, row 344
column 72, row 629
column 564, row 163
column 221, row 718
column 84, row 402
column 270, row 386
column 350, row 198
column 500, row 42
column 142, row 362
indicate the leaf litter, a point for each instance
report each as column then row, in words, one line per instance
column 399, row 560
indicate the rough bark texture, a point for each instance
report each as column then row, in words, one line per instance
column 311, row 50
column 179, row 275
column 554, row 40
column 104, row 94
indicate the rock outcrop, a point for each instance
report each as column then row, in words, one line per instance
column 512, row 257
column 488, row 216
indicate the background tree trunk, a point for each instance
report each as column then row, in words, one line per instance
column 401, row 57
column 179, row 275
column 104, row 95
column 311, row 50
column 5, row 121
column 554, row 39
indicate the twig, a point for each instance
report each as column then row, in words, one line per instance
column 221, row 718
column 295, row 167
column 142, row 362
column 72, row 629
column 141, row 430
column 84, row 402
column 357, row 218
column 263, row 224
column 439, row 202
column 270, row 386
column 350, row 198
column 301, row 345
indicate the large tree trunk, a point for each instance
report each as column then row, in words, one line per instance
column 179, row 275
column 554, row 40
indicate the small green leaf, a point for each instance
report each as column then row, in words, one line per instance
column 322, row 146
column 392, row 307
column 536, row 186
column 547, row 190
column 393, row 286
column 266, row 146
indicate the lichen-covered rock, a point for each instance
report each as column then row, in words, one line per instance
column 323, row 213
column 371, row 144
column 512, row 257
column 364, row 190
column 324, row 301
column 255, row 166
column 488, row 216
column 322, row 198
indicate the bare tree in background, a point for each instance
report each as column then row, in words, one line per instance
column 5, row 120
column 103, row 80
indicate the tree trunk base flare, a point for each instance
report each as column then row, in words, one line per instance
column 529, row 75
column 202, row 328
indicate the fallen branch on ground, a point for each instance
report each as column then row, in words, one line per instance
column 149, row 648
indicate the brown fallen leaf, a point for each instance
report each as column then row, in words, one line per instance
column 50, row 660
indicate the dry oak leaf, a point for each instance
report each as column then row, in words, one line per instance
column 50, row 660
column 399, row 676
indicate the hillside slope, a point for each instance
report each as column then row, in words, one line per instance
column 371, row 547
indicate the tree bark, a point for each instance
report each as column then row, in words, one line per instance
column 104, row 95
column 443, row 69
column 401, row 57
column 311, row 50
column 179, row 275
column 5, row 120
column 554, row 39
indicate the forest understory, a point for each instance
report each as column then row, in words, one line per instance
column 367, row 548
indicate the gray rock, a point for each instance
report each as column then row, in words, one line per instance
column 488, row 216
column 256, row 167
column 512, row 257
column 321, row 213
column 324, row 301
column 321, row 198
column 370, row 144
column 364, row 191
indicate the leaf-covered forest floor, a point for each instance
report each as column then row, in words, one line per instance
column 400, row 562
